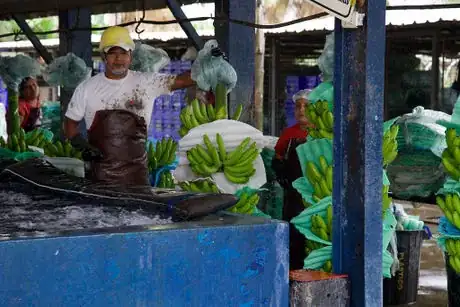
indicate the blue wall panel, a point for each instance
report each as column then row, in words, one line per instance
column 239, row 262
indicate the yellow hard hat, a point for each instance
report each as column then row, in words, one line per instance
column 116, row 37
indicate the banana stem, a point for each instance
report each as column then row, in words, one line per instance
column 13, row 122
column 221, row 98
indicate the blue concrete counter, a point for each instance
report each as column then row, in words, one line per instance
column 223, row 260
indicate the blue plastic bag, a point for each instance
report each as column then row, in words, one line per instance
column 208, row 71
column 155, row 176
column 67, row 71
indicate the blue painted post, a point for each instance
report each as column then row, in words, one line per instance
column 237, row 41
column 358, row 112
column 77, row 42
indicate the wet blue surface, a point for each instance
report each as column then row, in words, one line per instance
column 220, row 261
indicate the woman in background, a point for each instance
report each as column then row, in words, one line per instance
column 287, row 168
column 29, row 104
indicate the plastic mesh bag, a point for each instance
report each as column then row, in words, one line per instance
column 6, row 154
column 249, row 191
column 326, row 59
column 149, row 59
column 14, row 69
column 271, row 199
column 267, row 156
column 421, row 130
column 208, row 70
column 447, row 231
column 67, row 71
column 317, row 258
column 51, row 111
column 323, row 92
column 415, row 173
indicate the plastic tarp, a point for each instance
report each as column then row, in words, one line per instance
column 67, row 71
column 149, row 59
column 208, row 70
column 417, row 170
column 36, row 176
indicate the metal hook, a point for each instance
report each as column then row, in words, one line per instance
column 141, row 20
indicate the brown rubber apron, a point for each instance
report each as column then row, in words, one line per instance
column 120, row 135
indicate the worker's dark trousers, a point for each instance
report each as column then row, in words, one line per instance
column 292, row 207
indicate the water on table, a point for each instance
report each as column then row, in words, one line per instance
column 22, row 214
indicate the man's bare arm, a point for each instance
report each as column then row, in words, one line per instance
column 183, row 80
column 70, row 128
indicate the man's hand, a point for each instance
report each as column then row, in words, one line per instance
column 88, row 152
column 183, row 80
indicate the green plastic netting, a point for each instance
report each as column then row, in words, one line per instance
column 51, row 120
column 271, row 194
column 415, row 173
column 6, row 154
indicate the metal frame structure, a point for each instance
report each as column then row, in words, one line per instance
column 359, row 81
column 358, row 112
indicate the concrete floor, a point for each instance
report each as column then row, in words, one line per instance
column 433, row 278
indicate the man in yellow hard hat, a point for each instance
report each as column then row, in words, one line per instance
column 117, row 106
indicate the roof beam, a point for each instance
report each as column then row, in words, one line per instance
column 41, row 50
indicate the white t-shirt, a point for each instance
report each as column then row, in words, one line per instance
column 136, row 93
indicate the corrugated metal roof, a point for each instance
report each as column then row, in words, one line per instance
column 34, row 8
column 95, row 38
column 393, row 18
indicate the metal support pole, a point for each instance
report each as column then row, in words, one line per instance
column 187, row 26
column 273, row 88
column 77, row 42
column 24, row 26
column 237, row 41
column 358, row 133
column 435, row 72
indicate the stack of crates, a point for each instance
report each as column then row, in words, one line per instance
column 165, row 120
column 3, row 94
column 293, row 85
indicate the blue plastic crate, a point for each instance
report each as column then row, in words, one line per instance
column 165, row 118
column 4, row 96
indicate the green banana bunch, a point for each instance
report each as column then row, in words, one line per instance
column 164, row 153
column 239, row 164
column 453, row 249
column 36, row 138
column 327, row 267
column 198, row 113
column 311, row 246
column 390, row 145
column 199, row 186
column 246, row 204
column 450, row 205
column 59, row 149
column 166, row 181
column 319, row 115
column 320, row 179
column 16, row 142
column 319, row 226
column 205, row 161
column 451, row 155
